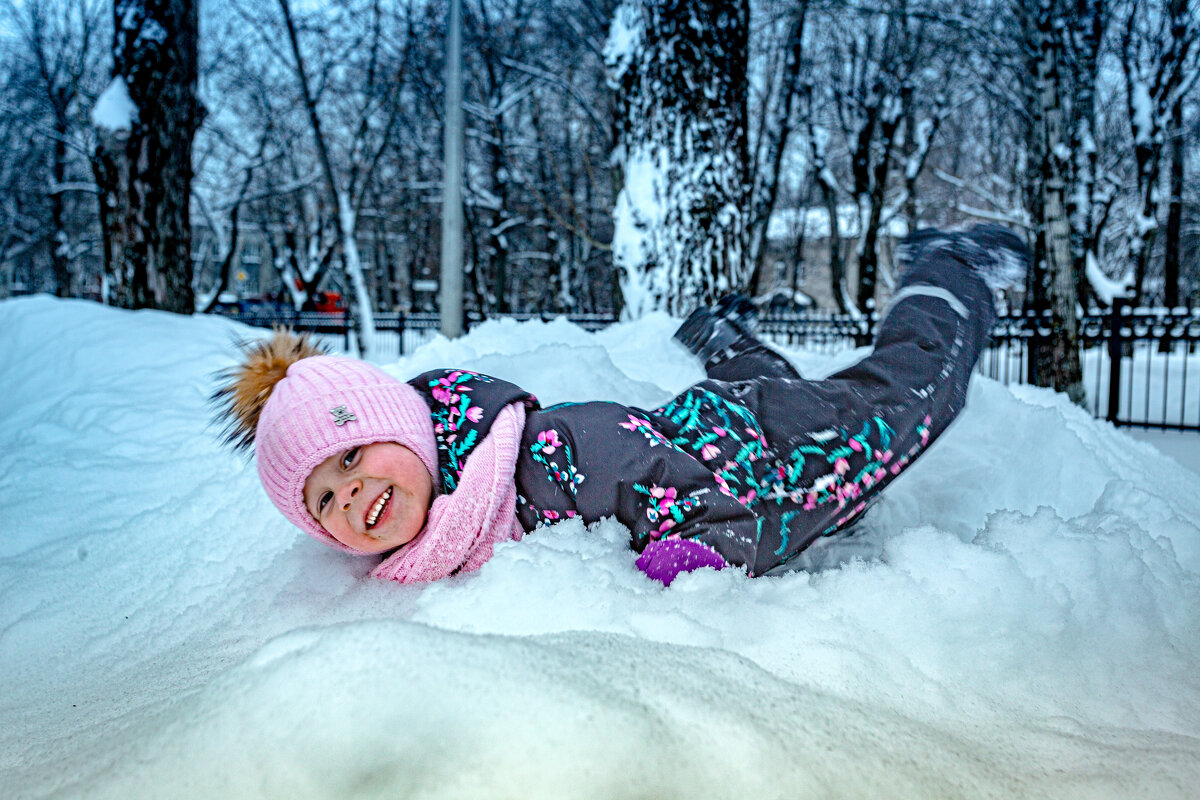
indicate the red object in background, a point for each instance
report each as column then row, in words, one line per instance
column 330, row 302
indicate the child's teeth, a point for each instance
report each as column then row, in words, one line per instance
column 379, row 504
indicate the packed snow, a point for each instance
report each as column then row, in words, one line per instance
column 1019, row 616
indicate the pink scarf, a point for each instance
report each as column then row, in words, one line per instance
column 464, row 526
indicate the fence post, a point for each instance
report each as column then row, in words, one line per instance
column 1033, row 348
column 866, row 330
column 346, row 326
column 400, row 331
column 1115, row 351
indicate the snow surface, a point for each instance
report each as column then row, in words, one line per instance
column 1019, row 616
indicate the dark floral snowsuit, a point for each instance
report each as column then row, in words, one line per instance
column 756, row 462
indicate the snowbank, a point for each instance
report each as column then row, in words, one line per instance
column 1019, row 616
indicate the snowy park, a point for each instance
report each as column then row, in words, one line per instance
column 1019, row 615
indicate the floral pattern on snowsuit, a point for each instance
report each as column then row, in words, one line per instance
column 849, row 466
column 542, row 451
column 664, row 507
column 722, row 434
column 461, row 417
column 662, row 502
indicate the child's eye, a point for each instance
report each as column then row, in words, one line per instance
column 324, row 501
column 348, row 459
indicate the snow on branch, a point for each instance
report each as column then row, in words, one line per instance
column 1105, row 288
column 999, row 213
column 115, row 110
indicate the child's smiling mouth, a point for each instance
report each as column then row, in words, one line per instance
column 376, row 510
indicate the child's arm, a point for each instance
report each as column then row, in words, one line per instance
column 598, row 460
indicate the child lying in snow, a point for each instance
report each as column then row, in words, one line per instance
column 746, row 468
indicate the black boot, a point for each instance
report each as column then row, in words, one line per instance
column 740, row 310
column 917, row 243
column 998, row 255
column 710, row 332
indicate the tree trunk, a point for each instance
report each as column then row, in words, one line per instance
column 679, row 72
column 1063, row 369
column 911, row 134
column 144, row 170
column 876, row 186
column 837, row 266
column 1159, row 71
column 1174, row 208
column 497, row 241
column 817, row 142
column 60, row 241
column 1141, row 236
column 1090, row 19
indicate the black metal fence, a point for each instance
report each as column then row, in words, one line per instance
column 1147, row 354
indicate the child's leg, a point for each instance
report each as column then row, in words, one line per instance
column 929, row 338
column 748, row 359
column 842, row 439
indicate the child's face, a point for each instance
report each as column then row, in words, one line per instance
column 373, row 498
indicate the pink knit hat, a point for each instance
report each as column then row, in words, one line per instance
column 326, row 405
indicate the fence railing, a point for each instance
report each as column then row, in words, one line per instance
column 1147, row 354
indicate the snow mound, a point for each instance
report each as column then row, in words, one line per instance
column 1019, row 616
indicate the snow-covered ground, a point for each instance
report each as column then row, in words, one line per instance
column 1018, row 617
column 1181, row 446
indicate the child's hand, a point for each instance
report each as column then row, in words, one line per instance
column 665, row 559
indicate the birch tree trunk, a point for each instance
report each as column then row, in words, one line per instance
column 679, row 71
column 1059, row 364
column 1085, row 207
column 143, row 166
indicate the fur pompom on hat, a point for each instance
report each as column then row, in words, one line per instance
column 297, row 407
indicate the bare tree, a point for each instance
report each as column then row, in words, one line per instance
column 776, row 120
column 1172, row 262
column 59, row 50
column 373, row 126
column 1160, row 66
column 827, row 183
column 870, row 95
column 283, row 195
column 533, row 116
column 1093, row 191
column 227, row 234
column 889, row 82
